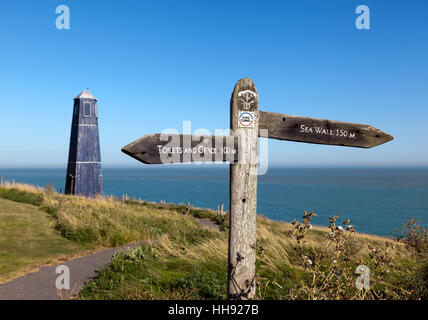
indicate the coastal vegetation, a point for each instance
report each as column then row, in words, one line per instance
column 28, row 240
column 175, row 257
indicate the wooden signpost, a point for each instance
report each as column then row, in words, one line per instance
column 240, row 149
column 243, row 192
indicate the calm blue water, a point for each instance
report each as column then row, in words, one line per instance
column 376, row 200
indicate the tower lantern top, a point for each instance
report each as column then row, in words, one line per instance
column 85, row 95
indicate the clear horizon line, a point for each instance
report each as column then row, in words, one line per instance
column 192, row 165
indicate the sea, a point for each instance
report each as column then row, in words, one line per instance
column 376, row 200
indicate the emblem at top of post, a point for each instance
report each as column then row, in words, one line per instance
column 248, row 99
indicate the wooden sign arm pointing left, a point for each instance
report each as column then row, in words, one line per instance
column 178, row 148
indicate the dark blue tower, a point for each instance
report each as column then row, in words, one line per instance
column 84, row 159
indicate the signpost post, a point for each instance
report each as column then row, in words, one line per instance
column 244, row 123
column 240, row 149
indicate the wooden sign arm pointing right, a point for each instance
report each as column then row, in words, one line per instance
column 320, row 131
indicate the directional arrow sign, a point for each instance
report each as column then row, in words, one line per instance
column 311, row 130
column 176, row 148
column 247, row 123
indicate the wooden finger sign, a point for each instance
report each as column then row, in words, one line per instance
column 320, row 131
column 177, row 148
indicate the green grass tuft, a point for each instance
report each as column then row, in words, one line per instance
column 22, row 196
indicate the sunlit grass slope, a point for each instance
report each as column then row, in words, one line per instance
column 180, row 259
column 28, row 239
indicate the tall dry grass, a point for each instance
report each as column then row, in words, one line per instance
column 107, row 221
column 181, row 259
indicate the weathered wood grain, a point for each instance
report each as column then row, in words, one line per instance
column 320, row 131
column 243, row 195
column 177, row 148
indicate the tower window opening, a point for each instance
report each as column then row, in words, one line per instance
column 87, row 109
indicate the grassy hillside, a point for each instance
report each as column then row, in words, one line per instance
column 28, row 239
column 180, row 259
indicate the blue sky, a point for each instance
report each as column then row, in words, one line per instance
column 153, row 64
